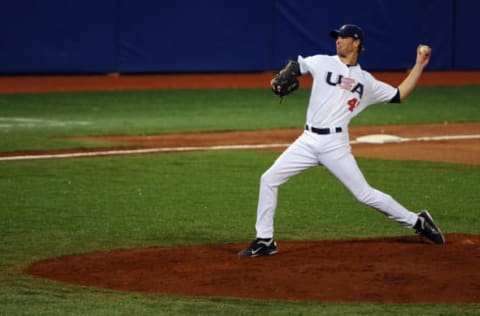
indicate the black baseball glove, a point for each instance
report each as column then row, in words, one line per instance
column 286, row 81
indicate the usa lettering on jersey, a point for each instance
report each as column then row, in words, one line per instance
column 345, row 83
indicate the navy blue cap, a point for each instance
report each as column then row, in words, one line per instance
column 348, row 30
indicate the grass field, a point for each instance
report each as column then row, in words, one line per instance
column 52, row 208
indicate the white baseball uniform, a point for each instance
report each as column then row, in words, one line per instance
column 339, row 92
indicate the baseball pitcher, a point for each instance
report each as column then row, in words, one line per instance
column 341, row 90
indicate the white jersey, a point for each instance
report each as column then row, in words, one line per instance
column 340, row 92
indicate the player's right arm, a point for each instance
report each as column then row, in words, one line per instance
column 410, row 82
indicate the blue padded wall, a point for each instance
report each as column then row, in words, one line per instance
column 151, row 36
column 53, row 36
column 186, row 35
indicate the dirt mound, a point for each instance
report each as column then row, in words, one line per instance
column 396, row 269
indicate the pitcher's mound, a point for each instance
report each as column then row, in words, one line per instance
column 397, row 269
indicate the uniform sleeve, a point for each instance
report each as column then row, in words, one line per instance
column 396, row 98
column 309, row 64
column 305, row 64
column 381, row 92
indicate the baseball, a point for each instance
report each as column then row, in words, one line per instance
column 424, row 49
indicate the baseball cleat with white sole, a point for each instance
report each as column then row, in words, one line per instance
column 426, row 227
column 260, row 247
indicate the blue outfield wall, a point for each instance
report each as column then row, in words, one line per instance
column 188, row 35
column 57, row 36
column 159, row 36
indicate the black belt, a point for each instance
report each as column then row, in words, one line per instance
column 322, row 131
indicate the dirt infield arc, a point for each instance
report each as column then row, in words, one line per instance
column 463, row 151
column 446, row 142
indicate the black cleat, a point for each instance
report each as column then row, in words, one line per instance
column 427, row 228
column 260, row 247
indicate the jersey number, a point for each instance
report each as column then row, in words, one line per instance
column 352, row 104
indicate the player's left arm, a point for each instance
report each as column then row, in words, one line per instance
column 410, row 82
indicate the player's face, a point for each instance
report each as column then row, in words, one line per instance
column 346, row 46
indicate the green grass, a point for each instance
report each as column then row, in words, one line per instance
column 52, row 208
column 169, row 111
column 137, row 112
column 59, row 207
column 44, row 298
column 104, row 203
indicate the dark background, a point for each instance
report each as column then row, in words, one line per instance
column 156, row 36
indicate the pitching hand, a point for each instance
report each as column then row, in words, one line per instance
column 423, row 55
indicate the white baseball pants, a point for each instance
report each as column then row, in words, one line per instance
column 332, row 151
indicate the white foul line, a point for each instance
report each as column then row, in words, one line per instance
column 440, row 138
column 140, row 151
column 422, row 139
column 203, row 148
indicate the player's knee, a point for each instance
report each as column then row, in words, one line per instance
column 365, row 196
column 266, row 178
column 270, row 178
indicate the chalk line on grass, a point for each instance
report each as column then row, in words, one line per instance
column 116, row 152
column 385, row 138
column 29, row 122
